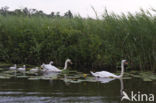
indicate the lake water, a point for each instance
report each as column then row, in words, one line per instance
column 20, row 90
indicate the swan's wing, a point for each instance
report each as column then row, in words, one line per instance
column 105, row 74
column 55, row 68
column 49, row 67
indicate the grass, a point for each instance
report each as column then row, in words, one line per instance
column 90, row 43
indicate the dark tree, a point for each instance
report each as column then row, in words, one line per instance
column 57, row 14
column 52, row 14
column 68, row 14
column 4, row 10
column 26, row 12
column 18, row 12
column 33, row 12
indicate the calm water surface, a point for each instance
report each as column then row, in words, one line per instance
column 57, row 91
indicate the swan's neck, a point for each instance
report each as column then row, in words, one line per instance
column 122, row 69
column 65, row 65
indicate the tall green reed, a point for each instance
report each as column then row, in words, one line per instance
column 90, row 43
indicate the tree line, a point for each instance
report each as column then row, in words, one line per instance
column 4, row 11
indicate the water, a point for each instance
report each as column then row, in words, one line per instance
column 57, row 91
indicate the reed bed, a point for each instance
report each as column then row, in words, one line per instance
column 90, row 43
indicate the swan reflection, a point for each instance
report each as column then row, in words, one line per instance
column 104, row 80
column 51, row 74
column 107, row 80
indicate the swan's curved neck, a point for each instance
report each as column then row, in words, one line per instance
column 65, row 65
column 122, row 69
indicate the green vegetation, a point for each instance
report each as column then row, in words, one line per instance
column 90, row 43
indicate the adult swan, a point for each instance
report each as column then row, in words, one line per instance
column 52, row 68
column 105, row 74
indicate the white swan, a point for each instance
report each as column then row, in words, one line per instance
column 13, row 68
column 47, row 66
column 22, row 69
column 51, row 68
column 106, row 74
column 34, row 70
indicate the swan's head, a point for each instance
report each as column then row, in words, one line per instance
column 51, row 62
column 124, row 61
column 69, row 61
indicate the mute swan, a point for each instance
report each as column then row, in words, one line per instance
column 13, row 68
column 34, row 70
column 51, row 68
column 46, row 66
column 106, row 74
column 22, row 69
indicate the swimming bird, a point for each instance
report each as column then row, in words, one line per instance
column 34, row 70
column 106, row 74
column 51, row 68
column 13, row 68
column 22, row 69
column 46, row 66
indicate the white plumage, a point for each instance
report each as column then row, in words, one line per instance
column 22, row 69
column 105, row 74
column 34, row 70
column 50, row 68
column 13, row 67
